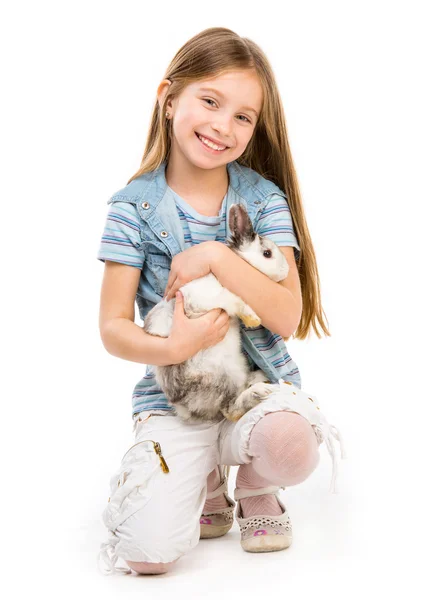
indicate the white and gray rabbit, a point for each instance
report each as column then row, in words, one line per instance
column 217, row 382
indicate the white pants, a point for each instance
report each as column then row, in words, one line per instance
column 154, row 508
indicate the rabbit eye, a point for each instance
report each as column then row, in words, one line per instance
column 267, row 253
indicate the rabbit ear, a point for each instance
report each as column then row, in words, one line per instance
column 240, row 226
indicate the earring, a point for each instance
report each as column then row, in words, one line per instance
column 167, row 114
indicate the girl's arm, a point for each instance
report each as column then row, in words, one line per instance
column 120, row 335
column 278, row 305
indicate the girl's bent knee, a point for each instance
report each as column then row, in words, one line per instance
column 148, row 568
column 284, row 447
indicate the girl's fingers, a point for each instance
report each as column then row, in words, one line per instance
column 171, row 280
column 222, row 317
column 174, row 288
column 223, row 330
column 169, row 288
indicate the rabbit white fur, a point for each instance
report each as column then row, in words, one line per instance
column 217, row 382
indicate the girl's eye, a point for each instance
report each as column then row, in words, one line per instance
column 210, row 100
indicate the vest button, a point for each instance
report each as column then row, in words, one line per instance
column 164, row 234
column 145, row 205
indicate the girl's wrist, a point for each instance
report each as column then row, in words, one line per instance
column 216, row 253
column 173, row 352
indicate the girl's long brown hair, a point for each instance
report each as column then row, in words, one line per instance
column 210, row 54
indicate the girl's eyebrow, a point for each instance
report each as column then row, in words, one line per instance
column 221, row 96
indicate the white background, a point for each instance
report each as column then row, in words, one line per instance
column 79, row 83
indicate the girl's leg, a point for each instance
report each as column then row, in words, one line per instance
column 285, row 452
column 156, row 520
column 273, row 446
column 213, row 482
column 146, row 568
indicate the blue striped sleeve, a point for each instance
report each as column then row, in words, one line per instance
column 121, row 239
column 275, row 222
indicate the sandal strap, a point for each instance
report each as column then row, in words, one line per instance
column 240, row 493
column 220, row 490
column 221, row 511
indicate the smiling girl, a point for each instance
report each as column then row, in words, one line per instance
column 217, row 137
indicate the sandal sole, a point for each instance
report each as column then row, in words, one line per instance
column 211, row 531
column 266, row 544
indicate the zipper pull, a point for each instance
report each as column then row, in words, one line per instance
column 164, row 465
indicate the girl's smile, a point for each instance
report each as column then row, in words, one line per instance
column 209, row 145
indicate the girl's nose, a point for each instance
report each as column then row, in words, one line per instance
column 223, row 127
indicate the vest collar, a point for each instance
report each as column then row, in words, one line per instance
column 162, row 216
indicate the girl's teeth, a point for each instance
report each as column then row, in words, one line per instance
column 210, row 144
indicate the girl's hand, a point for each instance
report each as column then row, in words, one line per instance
column 190, row 264
column 190, row 336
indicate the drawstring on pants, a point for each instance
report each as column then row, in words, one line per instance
column 330, row 445
column 321, row 428
column 108, row 555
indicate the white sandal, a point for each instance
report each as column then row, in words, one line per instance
column 263, row 533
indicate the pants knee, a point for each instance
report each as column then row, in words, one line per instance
column 154, row 545
column 150, row 568
column 285, row 442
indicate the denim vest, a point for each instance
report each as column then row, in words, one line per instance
column 162, row 238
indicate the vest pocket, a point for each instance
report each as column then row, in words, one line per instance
column 157, row 269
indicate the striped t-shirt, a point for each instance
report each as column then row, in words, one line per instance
column 119, row 244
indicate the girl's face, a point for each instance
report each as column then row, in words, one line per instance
column 224, row 110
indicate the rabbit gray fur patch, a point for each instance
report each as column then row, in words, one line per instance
column 217, row 383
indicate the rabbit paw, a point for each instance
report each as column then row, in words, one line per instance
column 248, row 399
column 249, row 318
column 232, row 415
column 261, row 389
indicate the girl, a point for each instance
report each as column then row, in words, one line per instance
column 217, row 137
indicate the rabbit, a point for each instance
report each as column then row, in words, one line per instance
column 217, row 382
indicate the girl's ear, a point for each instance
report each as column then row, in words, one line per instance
column 162, row 91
